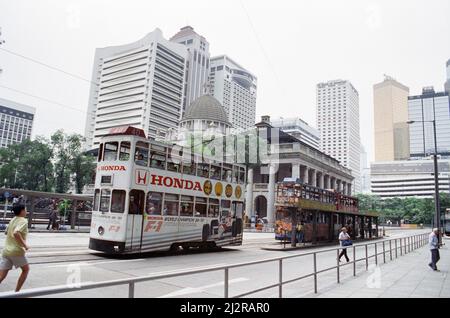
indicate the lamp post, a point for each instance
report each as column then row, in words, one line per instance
column 437, row 206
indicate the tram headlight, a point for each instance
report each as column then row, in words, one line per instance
column 101, row 230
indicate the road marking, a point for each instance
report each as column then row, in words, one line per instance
column 192, row 290
column 97, row 263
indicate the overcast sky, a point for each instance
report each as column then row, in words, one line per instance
column 289, row 45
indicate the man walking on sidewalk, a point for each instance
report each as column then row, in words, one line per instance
column 433, row 241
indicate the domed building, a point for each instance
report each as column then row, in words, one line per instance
column 205, row 115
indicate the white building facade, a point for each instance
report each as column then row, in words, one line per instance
column 16, row 122
column 236, row 89
column 198, row 62
column 412, row 178
column 141, row 84
column 447, row 83
column 299, row 129
column 338, row 123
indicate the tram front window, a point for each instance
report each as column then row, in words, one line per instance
column 136, row 202
column 171, row 204
column 154, row 203
column 118, row 201
column 110, row 150
column 125, row 149
column 105, row 200
column 141, row 154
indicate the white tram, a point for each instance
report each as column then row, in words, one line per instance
column 147, row 198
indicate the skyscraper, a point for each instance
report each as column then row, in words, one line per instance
column 198, row 62
column 140, row 84
column 427, row 107
column 16, row 122
column 390, row 99
column 235, row 88
column 338, row 123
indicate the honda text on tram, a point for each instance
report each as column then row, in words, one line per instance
column 147, row 198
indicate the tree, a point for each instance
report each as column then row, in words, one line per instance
column 83, row 168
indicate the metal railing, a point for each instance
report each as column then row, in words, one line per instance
column 397, row 247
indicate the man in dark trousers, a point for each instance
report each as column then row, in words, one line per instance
column 433, row 241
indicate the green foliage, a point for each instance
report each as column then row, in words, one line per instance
column 47, row 165
column 414, row 210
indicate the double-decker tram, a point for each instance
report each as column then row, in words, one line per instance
column 321, row 213
column 149, row 196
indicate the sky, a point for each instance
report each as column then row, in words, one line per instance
column 289, row 45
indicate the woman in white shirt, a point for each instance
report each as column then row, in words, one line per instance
column 343, row 236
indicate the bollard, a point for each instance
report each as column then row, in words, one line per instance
column 367, row 259
column 354, row 260
column 315, row 273
column 337, row 267
column 280, row 287
column 226, row 283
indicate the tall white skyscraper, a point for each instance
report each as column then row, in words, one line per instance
column 198, row 62
column 447, row 83
column 338, row 123
column 140, row 84
column 235, row 88
column 299, row 129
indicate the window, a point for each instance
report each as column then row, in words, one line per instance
column 111, row 151
column 171, row 204
column 125, row 149
column 189, row 168
column 238, row 209
column 242, row 175
column 158, row 157
column 141, row 154
column 96, row 199
column 173, row 163
column 154, row 203
column 100, row 153
column 226, row 172
column 203, row 170
column 200, row 207
column 136, row 202
column 215, row 172
column 190, row 41
column 187, row 206
column 226, row 206
column 235, row 174
column 213, row 210
column 118, row 201
column 105, row 200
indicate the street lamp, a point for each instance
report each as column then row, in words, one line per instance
column 436, row 177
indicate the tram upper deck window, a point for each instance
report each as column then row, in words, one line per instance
column 137, row 198
column 158, row 157
column 171, row 204
column 215, row 171
column 173, row 163
column 111, row 151
column 125, row 150
column 100, row 153
column 235, row 174
column 200, row 207
column 242, row 175
column 141, row 154
column 96, row 199
column 203, row 170
column 227, row 172
column 187, row 206
column 105, row 200
column 118, row 201
column 154, row 203
column 189, row 168
column 213, row 210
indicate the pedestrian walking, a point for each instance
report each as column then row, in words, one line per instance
column 344, row 240
column 15, row 247
column 300, row 232
column 52, row 220
column 433, row 241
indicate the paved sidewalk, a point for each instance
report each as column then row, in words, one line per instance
column 405, row 277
